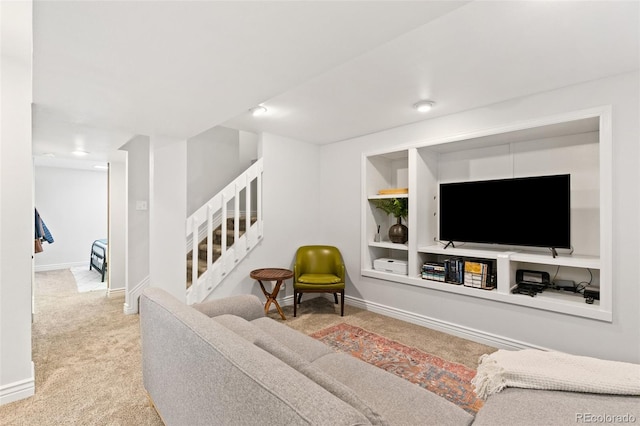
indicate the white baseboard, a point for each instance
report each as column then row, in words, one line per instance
column 18, row 390
column 132, row 296
column 115, row 291
column 478, row 336
column 56, row 266
column 468, row 333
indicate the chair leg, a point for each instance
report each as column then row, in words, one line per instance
column 299, row 297
column 335, row 298
column 341, row 303
column 295, row 304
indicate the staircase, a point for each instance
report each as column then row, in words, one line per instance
column 217, row 241
column 217, row 246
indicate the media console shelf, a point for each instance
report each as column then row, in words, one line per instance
column 577, row 143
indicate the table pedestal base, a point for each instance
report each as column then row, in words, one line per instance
column 279, row 275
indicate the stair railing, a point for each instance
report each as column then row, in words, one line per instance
column 215, row 212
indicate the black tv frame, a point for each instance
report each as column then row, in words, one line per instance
column 532, row 211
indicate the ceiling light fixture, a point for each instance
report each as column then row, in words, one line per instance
column 424, row 105
column 257, row 111
column 80, row 153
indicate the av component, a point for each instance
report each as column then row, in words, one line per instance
column 532, row 277
column 394, row 266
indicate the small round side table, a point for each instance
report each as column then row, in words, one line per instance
column 271, row 274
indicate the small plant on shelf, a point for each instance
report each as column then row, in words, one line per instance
column 399, row 208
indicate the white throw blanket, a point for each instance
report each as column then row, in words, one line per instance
column 535, row 369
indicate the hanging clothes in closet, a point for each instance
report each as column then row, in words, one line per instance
column 42, row 233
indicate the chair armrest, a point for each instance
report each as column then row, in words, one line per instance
column 247, row 306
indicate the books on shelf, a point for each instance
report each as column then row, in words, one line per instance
column 433, row 271
column 477, row 274
column 460, row 271
column 454, row 270
column 392, row 191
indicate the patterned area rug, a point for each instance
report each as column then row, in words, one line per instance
column 446, row 379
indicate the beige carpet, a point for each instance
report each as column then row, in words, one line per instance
column 87, row 354
column 87, row 360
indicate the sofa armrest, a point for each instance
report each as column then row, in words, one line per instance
column 247, row 306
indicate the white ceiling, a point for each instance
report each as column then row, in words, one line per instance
column 326, row 71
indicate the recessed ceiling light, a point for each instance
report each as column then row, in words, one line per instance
column 80, row 153
column 101, row 167
column 424, row 105
column 259, row 110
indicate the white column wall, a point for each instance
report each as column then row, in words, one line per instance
column 16, row 201
column 137, row 220
column 118, row 221
column 168, row 208
column 490, row 321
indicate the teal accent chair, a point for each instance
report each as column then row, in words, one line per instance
column 318, row 269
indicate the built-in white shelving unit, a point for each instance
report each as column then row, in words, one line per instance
column 577, row 143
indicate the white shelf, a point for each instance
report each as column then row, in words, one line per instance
column 464, row 252
column 385, row 196
column 510, row 151
column 389, row 245
column 573, row 261
column 565, row 303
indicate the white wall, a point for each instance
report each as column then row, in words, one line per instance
column 73, row 205
column 484, row 319
column 214, row 158
column 118, row 212
column 17, row 379
column 292, row 213
column 167, row 208
column 138, row 170
column 248, row 149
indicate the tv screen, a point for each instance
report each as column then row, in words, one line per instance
column 530, row 211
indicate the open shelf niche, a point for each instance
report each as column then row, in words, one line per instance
column 577, row 143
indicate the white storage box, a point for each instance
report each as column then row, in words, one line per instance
column 395, row 266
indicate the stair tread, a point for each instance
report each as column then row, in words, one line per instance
column 217, row 247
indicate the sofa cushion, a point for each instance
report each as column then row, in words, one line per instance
column 240, row 326
column 543, row 407
column 198, row 372
column 305, row 346
column 393, row 397
column 329, row 383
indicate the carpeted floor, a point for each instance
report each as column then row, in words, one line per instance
column 87, row 353
column 87, row 360
column 319, row 313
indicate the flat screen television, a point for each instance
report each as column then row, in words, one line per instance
column 529, row 211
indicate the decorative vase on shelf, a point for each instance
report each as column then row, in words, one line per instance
column 399, row 233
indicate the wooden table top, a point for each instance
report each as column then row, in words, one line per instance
column 271, row 274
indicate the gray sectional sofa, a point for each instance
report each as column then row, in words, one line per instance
column 223, row 362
